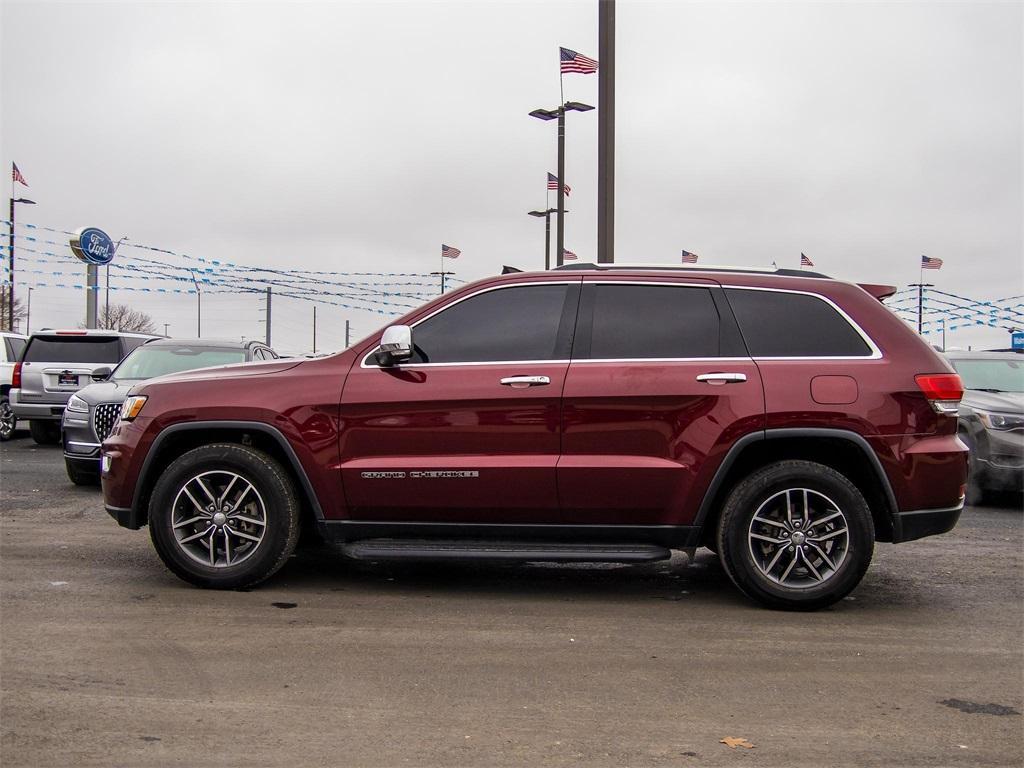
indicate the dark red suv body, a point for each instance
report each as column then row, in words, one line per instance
column 577, row 414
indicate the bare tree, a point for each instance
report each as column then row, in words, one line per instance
column 121, row 317
column 19, row 311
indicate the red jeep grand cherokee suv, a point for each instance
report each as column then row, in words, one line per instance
column 783, row 419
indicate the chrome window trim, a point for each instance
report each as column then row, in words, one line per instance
column 564, row 281
column 708, row 283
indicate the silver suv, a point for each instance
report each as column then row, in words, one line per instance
column 55, row 365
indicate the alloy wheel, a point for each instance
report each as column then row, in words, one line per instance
column 8, row 421
column 798, row 538
column 218, row 519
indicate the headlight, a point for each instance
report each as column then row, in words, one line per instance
column 132, row 406
column 77, row 404
column 1001, row 421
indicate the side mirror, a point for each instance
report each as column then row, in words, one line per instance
column 395, row 345
column 101, row 374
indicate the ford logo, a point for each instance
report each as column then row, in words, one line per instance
column 93, row 246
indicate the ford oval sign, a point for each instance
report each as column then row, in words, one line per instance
column 93, row 246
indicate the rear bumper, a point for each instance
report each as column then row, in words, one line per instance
column 916, row 524
column 35, row 411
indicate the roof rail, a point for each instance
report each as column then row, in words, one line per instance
column 695, row 268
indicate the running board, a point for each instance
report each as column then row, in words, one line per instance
column 521, row 551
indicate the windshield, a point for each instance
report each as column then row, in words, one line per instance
column 147, row 362
column 994, row 375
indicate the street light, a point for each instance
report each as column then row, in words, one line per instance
column 547, row 233
column 559, row 114
column 10, row 263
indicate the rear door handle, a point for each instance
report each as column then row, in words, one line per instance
column 522, row 382
column 722, row 378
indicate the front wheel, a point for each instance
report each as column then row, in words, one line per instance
column 81, row 475
column 44, row 432
column 224, row 516
column 8, row 421
column 796, row 535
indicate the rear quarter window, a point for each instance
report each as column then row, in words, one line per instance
column 781, row 324
column 73, row 349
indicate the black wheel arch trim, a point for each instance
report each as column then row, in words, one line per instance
column 138, row 516
column 791, row 432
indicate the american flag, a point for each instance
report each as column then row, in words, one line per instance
column 576, row 62
column 568, row 255
column 689, row 258
column 449, row 252
column 553, row 183
column 16, row 175
column 805, row 262
column 929, row 263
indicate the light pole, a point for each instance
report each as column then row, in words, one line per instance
column 547, row 232
column 28, row 314
column 559, row 114
column 10, row 262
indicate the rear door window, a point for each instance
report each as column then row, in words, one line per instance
column 73, row 349
column 783, row 324
column 638, row 321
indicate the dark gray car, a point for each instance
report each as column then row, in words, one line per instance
column 92, row 411
column 992, row 419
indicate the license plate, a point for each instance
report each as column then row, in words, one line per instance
column 67, row 379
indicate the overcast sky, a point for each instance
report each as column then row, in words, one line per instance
column 360, row 136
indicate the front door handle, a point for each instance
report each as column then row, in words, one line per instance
column 722, row 378
column 522, row 382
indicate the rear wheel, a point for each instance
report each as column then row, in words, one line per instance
column 8, row 421
column 224, row 516
column 796, row 535
column 44, row 432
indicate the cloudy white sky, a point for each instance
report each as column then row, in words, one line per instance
column 360, row 136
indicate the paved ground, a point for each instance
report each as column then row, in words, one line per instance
column 109, row 660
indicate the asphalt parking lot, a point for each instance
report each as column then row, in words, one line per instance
column 107, row 659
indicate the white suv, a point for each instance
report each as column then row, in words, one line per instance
column 11, row 347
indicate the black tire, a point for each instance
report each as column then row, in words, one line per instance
column 8, row 421
column 81, row 475
column 274, row 490
column 764, row 487
column 44, row 432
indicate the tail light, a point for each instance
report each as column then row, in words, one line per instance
column 943, row 390
column 16, row 376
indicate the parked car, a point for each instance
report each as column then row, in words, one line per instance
column 10, row 352
column 992, row 419
column 92, row 411
column 593, row 413
column 54, row 365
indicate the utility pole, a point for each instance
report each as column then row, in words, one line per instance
column 347, row 330
column 920, row 302
column 199, row 306
column 28, row 314
column 270, row 293
column 314, row 329
column 605, row 134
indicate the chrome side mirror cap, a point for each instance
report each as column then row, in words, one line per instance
column 395, row 345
